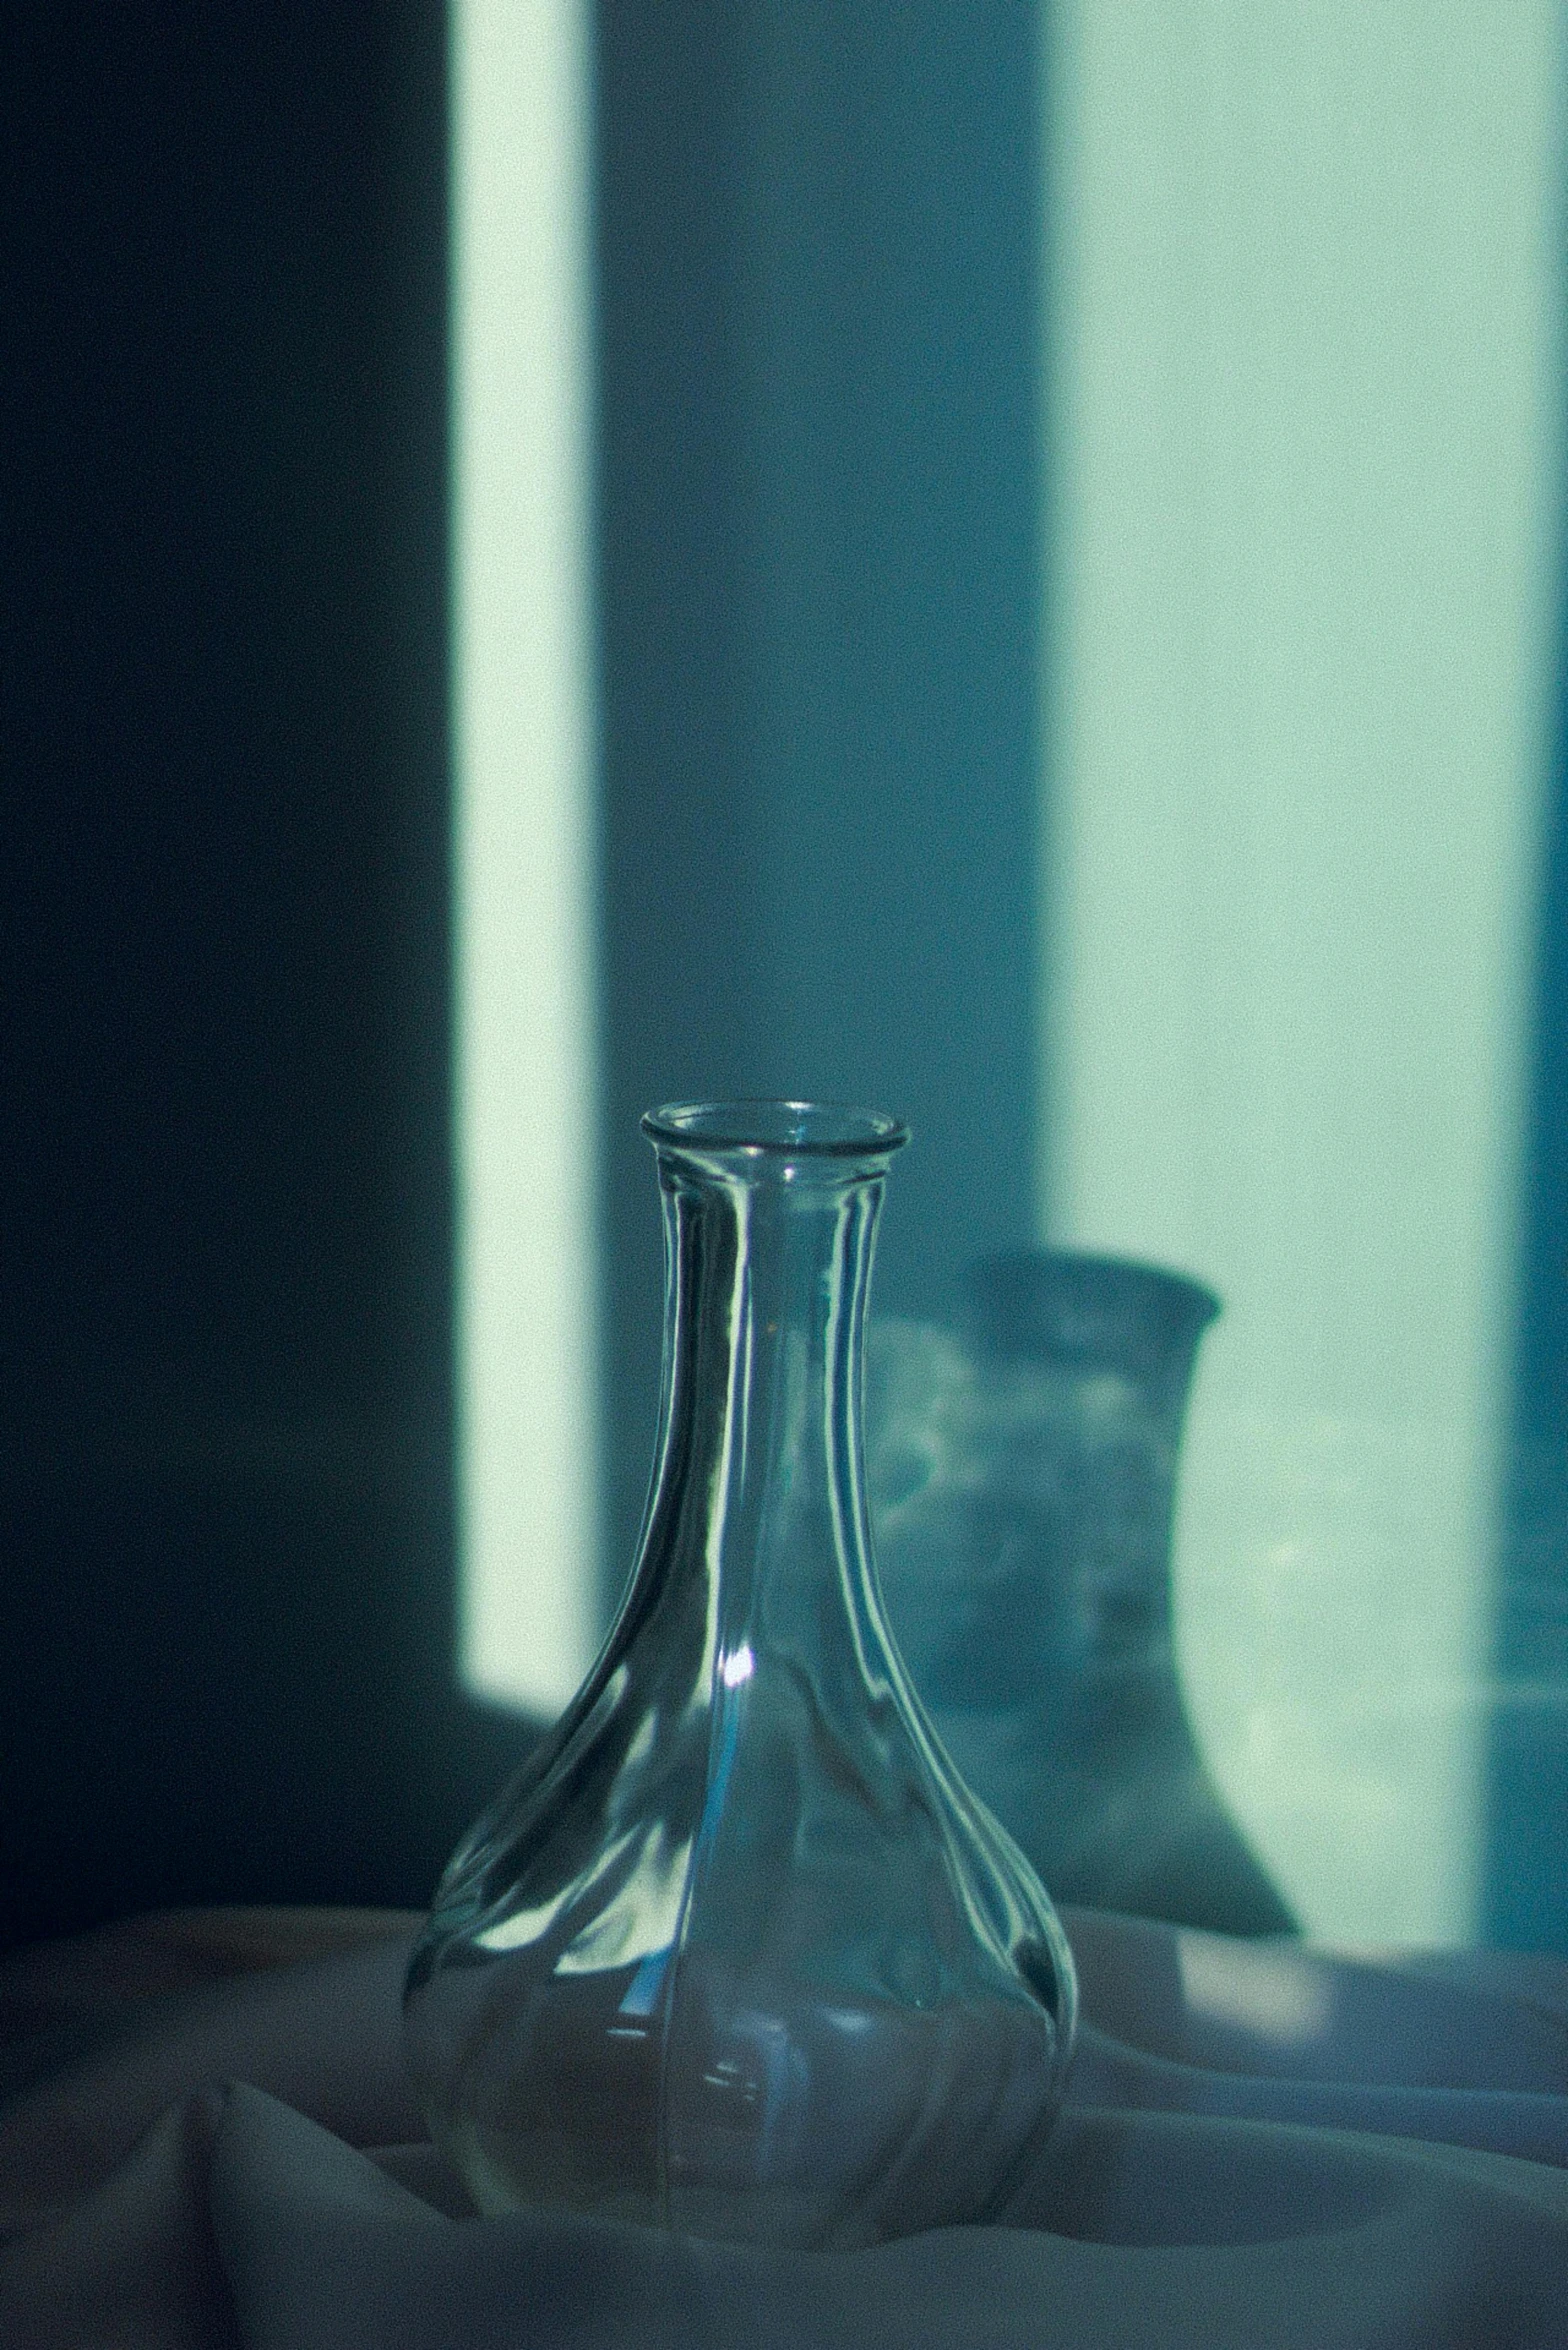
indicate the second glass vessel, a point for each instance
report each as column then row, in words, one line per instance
column 737, row 1953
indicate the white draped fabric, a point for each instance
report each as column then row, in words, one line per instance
column 206, row 2139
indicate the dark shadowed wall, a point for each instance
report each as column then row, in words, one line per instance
column 225, row 1664
column 226, row 1654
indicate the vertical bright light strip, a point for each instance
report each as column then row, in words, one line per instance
column 1305, row 416
column 523, row 850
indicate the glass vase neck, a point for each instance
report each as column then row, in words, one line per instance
column 770, row 1221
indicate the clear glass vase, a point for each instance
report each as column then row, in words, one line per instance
column 1023, row 1482
column 737, row 1953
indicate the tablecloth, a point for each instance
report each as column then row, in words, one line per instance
column 206, row 2139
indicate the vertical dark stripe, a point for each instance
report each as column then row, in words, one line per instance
column 1526, row 1862
column 819, row 505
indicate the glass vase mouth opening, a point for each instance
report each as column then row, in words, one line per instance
column 767, row 1136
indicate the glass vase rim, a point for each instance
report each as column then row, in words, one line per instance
column 775, row 1128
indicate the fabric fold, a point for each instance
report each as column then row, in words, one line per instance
column 322, row 2034
column 1137, row 2237
column 133, row 2263
column 1263, row 2147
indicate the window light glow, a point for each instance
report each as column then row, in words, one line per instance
column 1304, row 417
column 523, row 845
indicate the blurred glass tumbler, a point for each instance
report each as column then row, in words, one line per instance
column 737, row 1953
column 1023, row 1486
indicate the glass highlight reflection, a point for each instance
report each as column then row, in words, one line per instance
column 737, row 1952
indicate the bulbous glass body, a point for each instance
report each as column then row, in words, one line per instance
column 737, row 1953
